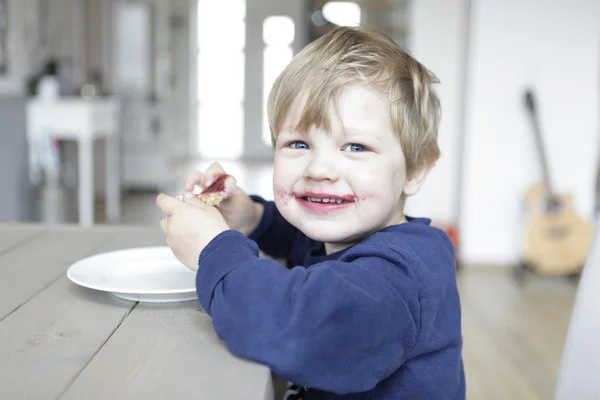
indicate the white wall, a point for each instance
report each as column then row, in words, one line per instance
column 438, row 39
column 552, row 45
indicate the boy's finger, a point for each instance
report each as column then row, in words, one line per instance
column 194, row 178
column 167, row 204
column 212, row 173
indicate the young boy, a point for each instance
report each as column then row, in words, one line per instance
column 371, row 308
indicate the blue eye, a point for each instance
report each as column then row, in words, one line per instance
column 356, row 148
column 299, row 145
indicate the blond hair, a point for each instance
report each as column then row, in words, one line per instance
column 348, row 55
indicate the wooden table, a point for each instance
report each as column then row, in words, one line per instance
column 62, row 341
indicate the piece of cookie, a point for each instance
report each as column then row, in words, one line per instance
column 163, row 224
column 212, row 195
column 218, row 191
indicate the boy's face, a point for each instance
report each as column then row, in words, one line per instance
column 341, row 186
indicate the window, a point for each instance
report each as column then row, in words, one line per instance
column 342, row 13
column 278, row 36
column 221, row 61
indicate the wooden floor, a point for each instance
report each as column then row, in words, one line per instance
column 513, row 334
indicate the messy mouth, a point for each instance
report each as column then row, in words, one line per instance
column 323, row 202
column 336, row 200
column 325, row 197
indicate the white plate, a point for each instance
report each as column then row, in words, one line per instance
column 146, row 274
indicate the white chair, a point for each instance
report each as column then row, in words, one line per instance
column 579, row 374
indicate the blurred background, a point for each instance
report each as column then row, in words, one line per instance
column 105, row 103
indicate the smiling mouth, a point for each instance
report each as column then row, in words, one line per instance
column 332, row 200
column 324, row 203
column 325, row 199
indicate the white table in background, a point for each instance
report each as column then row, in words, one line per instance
column 83, row 120
column 61, row 341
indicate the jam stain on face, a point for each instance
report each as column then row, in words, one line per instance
column 283, row 195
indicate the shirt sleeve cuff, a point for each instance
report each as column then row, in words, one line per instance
column 226, row 252
column 266, row 219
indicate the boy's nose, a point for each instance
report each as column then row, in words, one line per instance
column 321, row 168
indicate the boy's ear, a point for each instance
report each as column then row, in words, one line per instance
column 414, row 183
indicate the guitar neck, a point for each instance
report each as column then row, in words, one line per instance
column 539, row 144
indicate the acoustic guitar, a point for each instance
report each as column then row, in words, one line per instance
column 557, row 239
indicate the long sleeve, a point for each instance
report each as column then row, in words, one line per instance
column 277, row 237
column 337, row 326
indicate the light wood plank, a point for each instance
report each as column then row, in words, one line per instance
column 169, row 351
column 12, row 236
column 50, row 339
column 28, row 269
column 168, row 343
column 513, row 334
column 490, row 375
column 534, row 329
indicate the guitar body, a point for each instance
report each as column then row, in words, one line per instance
column 557, row 239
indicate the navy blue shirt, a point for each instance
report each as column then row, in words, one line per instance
column 378, row 320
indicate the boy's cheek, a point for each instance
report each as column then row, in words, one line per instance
column 284, row 178
column 288, row 170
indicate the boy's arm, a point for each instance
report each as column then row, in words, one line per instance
column 277, row 237
column 337, row 326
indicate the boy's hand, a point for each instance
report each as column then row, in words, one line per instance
column 191, row 225
column 240, row 211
